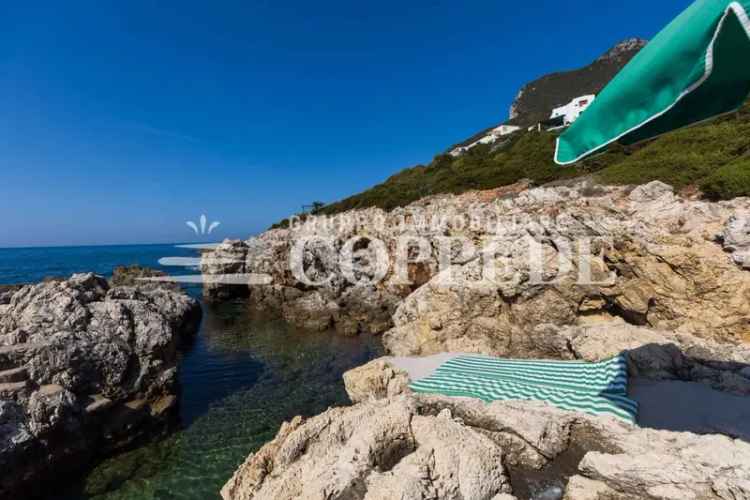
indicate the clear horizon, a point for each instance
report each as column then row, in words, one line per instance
column 120, row 123
column 94, row 245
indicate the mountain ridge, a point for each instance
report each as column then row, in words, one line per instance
column 536, row 99
column 713, row 157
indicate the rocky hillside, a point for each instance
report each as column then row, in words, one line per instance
column 671, row 258
column 712, row 157
column 536, row 99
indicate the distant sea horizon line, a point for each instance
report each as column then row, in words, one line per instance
column 185, row 244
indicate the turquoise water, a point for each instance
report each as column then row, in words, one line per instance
column 241, row 377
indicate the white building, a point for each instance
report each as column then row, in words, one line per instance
column 490, row 138
column 571, row 111
column 504, row 130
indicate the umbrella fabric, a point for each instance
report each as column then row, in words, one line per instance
column 697, row 68
column 594, row 388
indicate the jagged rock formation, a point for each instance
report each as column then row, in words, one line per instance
column 138, row 276
column 624, row 51
column 378, row 379
column 657, row 259
column 663, row 266
column 85, row 368
column 668, row 284
column 736, row 238
column 536, row 99
column 414, row 447
column 6, row 293
column 394, row 444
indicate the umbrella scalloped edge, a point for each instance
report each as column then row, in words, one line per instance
column 734, row 8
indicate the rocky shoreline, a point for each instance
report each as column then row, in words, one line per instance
column 87, row 368
column 669, row 286
column 665, row 261
column 433, row 447
column 396, row 444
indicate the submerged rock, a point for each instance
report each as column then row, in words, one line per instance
column 77, row 355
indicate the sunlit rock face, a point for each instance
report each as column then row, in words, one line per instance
column 431, row 447
column 667, row 285
column 653, row 258
column 395, row 444
column 84, row 368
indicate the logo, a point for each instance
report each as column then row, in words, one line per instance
column 234, row 273
column 202, row 229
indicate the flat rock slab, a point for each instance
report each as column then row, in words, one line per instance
column 690, row 407
column 419, row 368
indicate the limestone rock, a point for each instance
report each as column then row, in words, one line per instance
column 7, row 292
column 415, row 446
column 377, row 379
column 659, row 464
column 379, row 450
column 311, row 312
column 582, row 488
column 736, row 238
column 365, row 309
column 657, row 260
column 659, row 354
column 73, row 340
column 227, row 258
column 652, row 191
column 138, row 276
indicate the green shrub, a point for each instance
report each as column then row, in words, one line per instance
column 683, row 157
column 729, row 181
column 711, row 155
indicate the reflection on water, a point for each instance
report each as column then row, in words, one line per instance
column 242, row 377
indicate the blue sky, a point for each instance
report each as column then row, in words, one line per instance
column 119, row 121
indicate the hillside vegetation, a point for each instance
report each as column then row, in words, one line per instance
column 537, row 98
column 714, row 156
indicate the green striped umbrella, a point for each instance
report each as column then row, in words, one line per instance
column 697, row 68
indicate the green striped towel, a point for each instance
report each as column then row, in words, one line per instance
column 594, row 388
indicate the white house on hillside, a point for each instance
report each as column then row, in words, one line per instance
column 571, row 111
column 504, row 130
column 493, row 136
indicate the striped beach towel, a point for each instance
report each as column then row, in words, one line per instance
column 594, row 388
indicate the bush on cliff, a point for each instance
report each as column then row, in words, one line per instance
column 487, row 166
column 729, row 181
column 713, row 156
column 685, row 157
